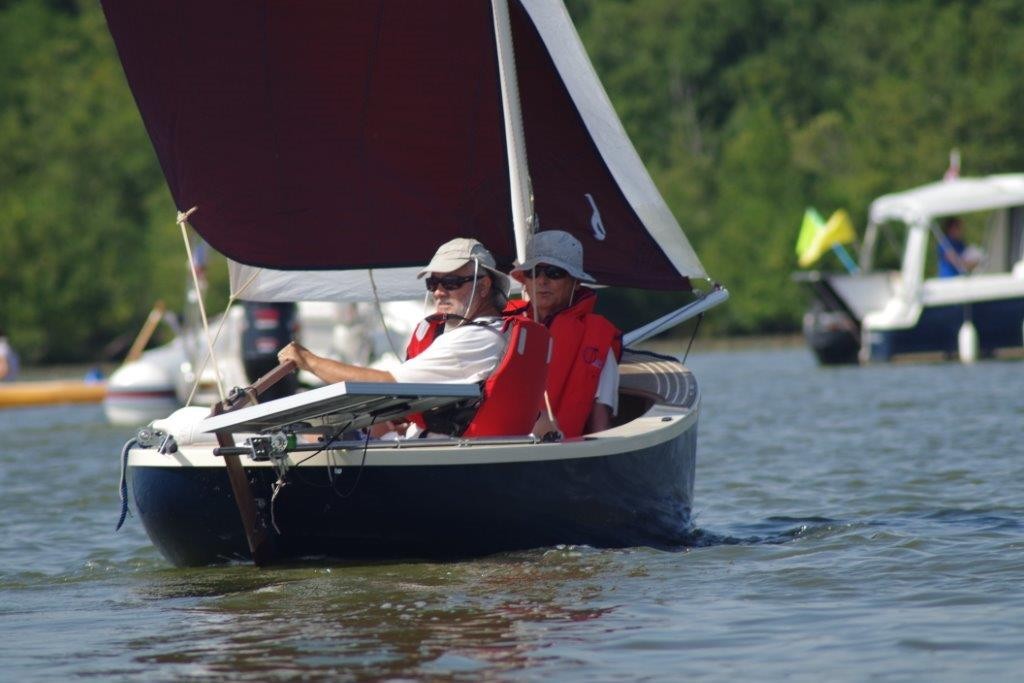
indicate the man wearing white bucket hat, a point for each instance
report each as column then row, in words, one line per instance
column 466, row 287
column 583, row 375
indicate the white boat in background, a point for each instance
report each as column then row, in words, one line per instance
column 144, row 389
column 327, row 149
column 180, row 373
column 892, row 308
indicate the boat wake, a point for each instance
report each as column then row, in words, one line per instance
column 772, row 531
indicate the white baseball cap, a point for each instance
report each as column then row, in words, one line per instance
column 456, row 253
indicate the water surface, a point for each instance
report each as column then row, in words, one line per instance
column 854, row 524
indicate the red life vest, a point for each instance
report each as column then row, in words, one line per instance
column 511, row 395
column 581, row 340
column 429, row 329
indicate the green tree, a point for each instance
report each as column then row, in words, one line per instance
column 744, row 111
column 80, row 188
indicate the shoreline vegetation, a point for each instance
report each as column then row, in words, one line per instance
column 741, row 128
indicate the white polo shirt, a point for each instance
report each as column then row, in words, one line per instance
column 464, row 354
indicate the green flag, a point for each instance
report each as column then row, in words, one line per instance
column 812, row 223
column 838, row 230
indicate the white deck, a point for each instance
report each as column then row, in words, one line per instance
column 353, row 404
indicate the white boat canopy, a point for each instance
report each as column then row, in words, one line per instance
column 949, row 198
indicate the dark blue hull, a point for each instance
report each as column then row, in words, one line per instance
column 998, row 324
column 639, row 498
column 833, row 336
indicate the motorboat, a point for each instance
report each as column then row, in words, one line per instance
column 327, row 149
column 895, row 306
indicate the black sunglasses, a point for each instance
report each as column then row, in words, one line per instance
column 449, row 282
column 550, row 272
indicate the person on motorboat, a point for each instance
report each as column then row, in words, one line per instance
column 462, row 342
column 583, row 375
column 955, row 256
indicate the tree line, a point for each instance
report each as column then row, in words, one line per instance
column 745, row 112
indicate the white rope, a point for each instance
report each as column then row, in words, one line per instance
column 206, row 358
column 380, row 312
column 533, row 294
column 232, row 298
column 472, row 295
column 183, row 223
column 255, row 273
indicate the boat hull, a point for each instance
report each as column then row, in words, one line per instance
column 834, row 330
column 998, row 323
column 833, row 336
column 641, row 497
column 50, row 392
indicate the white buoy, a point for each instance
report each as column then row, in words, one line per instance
column 967, row 340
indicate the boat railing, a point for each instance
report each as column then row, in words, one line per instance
column 432, row 442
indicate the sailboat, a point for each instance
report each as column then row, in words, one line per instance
column 326, row 149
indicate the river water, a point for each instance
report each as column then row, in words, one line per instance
column 854, row 524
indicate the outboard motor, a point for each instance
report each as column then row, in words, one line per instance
column 268, row 328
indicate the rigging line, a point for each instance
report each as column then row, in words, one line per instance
column 380, row 312
column 362, row 465
column 692, row 337
column 255, row 273
column 278, row 485
column 281, row 467
column 317, row 452
column 123, row 485
column 232, row 298
column 184, row 224
column 284, row 469
column 472, row 294
column 206, row 358
column 327, row 442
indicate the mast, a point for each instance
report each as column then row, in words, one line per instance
column 518, row 170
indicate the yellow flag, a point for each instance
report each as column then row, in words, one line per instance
column 838, row 230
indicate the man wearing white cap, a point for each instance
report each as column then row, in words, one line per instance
column 469, row 293
column 583, row 375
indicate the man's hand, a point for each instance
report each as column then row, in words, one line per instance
column 296, row 353
column 546, row 428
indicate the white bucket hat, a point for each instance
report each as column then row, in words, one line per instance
column 555, row 248
column 456, row 253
